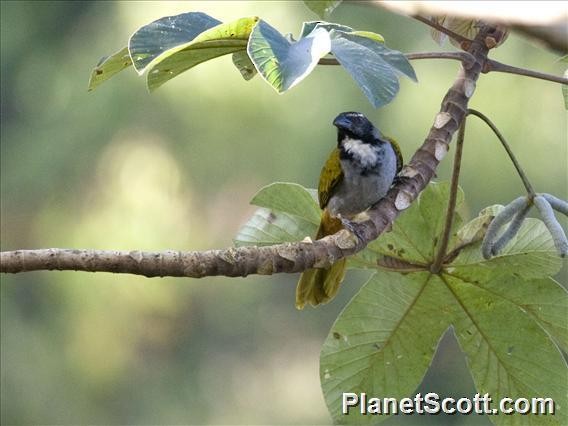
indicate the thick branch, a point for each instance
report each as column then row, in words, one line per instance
column 291, row 257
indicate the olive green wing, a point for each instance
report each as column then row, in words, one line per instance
column 331, row 175
column 398, row 153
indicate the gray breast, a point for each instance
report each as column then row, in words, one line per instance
column 365, row 182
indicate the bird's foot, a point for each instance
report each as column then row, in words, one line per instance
column 353, row 227
column 398, row 179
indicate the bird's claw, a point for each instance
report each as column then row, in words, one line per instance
column 352, row 227
column 400, row 180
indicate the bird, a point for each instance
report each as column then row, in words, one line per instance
column 357, row 174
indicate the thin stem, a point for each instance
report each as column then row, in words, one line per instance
column 443, row 244
column 459, row 38
column 492, row 65
column 458, row 56
column 520, row 170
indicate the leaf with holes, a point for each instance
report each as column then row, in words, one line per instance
column 108, row 67
column 508, row 315
column 383, row 341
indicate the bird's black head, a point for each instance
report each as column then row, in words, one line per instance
column 356, row 126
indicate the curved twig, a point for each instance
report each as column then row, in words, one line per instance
column 520, row 171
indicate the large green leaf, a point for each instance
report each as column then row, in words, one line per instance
column 284, row 63
column 371, row 64
column 506, row 312
column 218, row 41
column 384, row 340
column 543, row 299
column 151, row 40
column 507, row 351
column 109, row 66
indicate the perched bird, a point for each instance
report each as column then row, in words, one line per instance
column 357, row 174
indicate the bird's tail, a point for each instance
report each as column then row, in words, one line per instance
column 320, row 285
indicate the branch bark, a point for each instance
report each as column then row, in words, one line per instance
column 290, row 257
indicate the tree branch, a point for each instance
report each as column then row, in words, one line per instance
column 489, row 66
column 290, row 257
column 492, row 65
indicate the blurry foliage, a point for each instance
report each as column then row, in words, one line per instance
column 175, row 170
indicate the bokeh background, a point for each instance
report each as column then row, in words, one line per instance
column 122, row 169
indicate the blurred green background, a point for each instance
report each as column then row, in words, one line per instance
column 121, row 169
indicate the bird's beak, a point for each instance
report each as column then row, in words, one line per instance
column 342, row 122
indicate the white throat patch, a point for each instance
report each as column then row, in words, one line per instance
column 364, row 153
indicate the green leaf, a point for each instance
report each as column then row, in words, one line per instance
column 545, row 300
column 384, row 340
column 507, row 314
column 508, row 353
column 289, row 213
column 218, row 41
column 530, row 254
column 109, row 66
column 372, row 65
column 151, row 40
column 283, row 63
column 243, row 63
column 415, row 234
column 322, row 8
column 289, row 198
column 267, row 227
